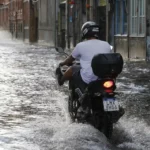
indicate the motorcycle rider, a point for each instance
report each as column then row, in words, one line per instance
column 84, row 52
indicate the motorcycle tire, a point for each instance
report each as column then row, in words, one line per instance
column 72, row 106
column 104, row 124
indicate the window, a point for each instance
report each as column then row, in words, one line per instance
column 121, row 17
column 137, row 18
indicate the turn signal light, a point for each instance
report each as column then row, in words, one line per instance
column 108, row 84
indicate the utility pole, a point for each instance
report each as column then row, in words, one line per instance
column 74, row 24
column 56, row 23
column 67, row 24
column 30, row 19
column 55, row 28
column 11, row 18
column 23, row 36
column 107, row 19
column 80, row 19
column 91, row 10
column 87, row 10
column 16, row 24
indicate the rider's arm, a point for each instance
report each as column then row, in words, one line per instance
column 75, row 55
column 67, row 61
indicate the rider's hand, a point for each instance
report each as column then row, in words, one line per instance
column 61, row 64
column 70, row 64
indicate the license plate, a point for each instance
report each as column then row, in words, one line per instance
column 110, row 104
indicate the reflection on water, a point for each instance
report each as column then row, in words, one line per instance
column 33, row 108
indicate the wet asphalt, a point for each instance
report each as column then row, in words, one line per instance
column 33, row 108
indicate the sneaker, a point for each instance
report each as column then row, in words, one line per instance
column 59, row 76
column 82, row 113
column 82, row 110
column 59, row 81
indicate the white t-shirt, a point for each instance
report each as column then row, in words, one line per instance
column 85, row 51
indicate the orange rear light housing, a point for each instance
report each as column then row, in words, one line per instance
column 108, row 84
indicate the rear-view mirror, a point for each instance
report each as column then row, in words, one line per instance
column 111, row 47
column 60, row 49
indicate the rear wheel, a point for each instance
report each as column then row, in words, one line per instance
column 104, row 124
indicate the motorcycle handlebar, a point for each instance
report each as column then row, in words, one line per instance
column 65, row 67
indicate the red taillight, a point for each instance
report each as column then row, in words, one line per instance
column 108, row 84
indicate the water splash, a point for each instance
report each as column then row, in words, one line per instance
column 80, row 136
column 5, row 35
column 136, row 129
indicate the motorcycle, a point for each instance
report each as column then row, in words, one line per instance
column 103, row 107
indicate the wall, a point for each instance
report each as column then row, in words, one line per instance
column 132, row 48
column 19, row 19
column 4, row 16
column 26, row 13
column 121, row 46
column 11, row 16
column 30, row 21
column 33, row 21
column 148, row 30
column 4, row 1
column 137, row 48
column 16, row 18
column 47, row 21
column 61, row 36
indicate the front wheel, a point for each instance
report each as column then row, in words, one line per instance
column 73, row 106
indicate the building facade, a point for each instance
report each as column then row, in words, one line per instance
column 47, row 21
column 18, row 17
column 4, row 14
column 125, row 24
column 130, row 28
column 73, row 13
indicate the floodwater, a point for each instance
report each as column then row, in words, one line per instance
column 33, row 108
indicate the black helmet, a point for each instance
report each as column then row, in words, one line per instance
column 90, row 29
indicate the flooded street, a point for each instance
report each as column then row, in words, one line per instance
column 33, row 108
